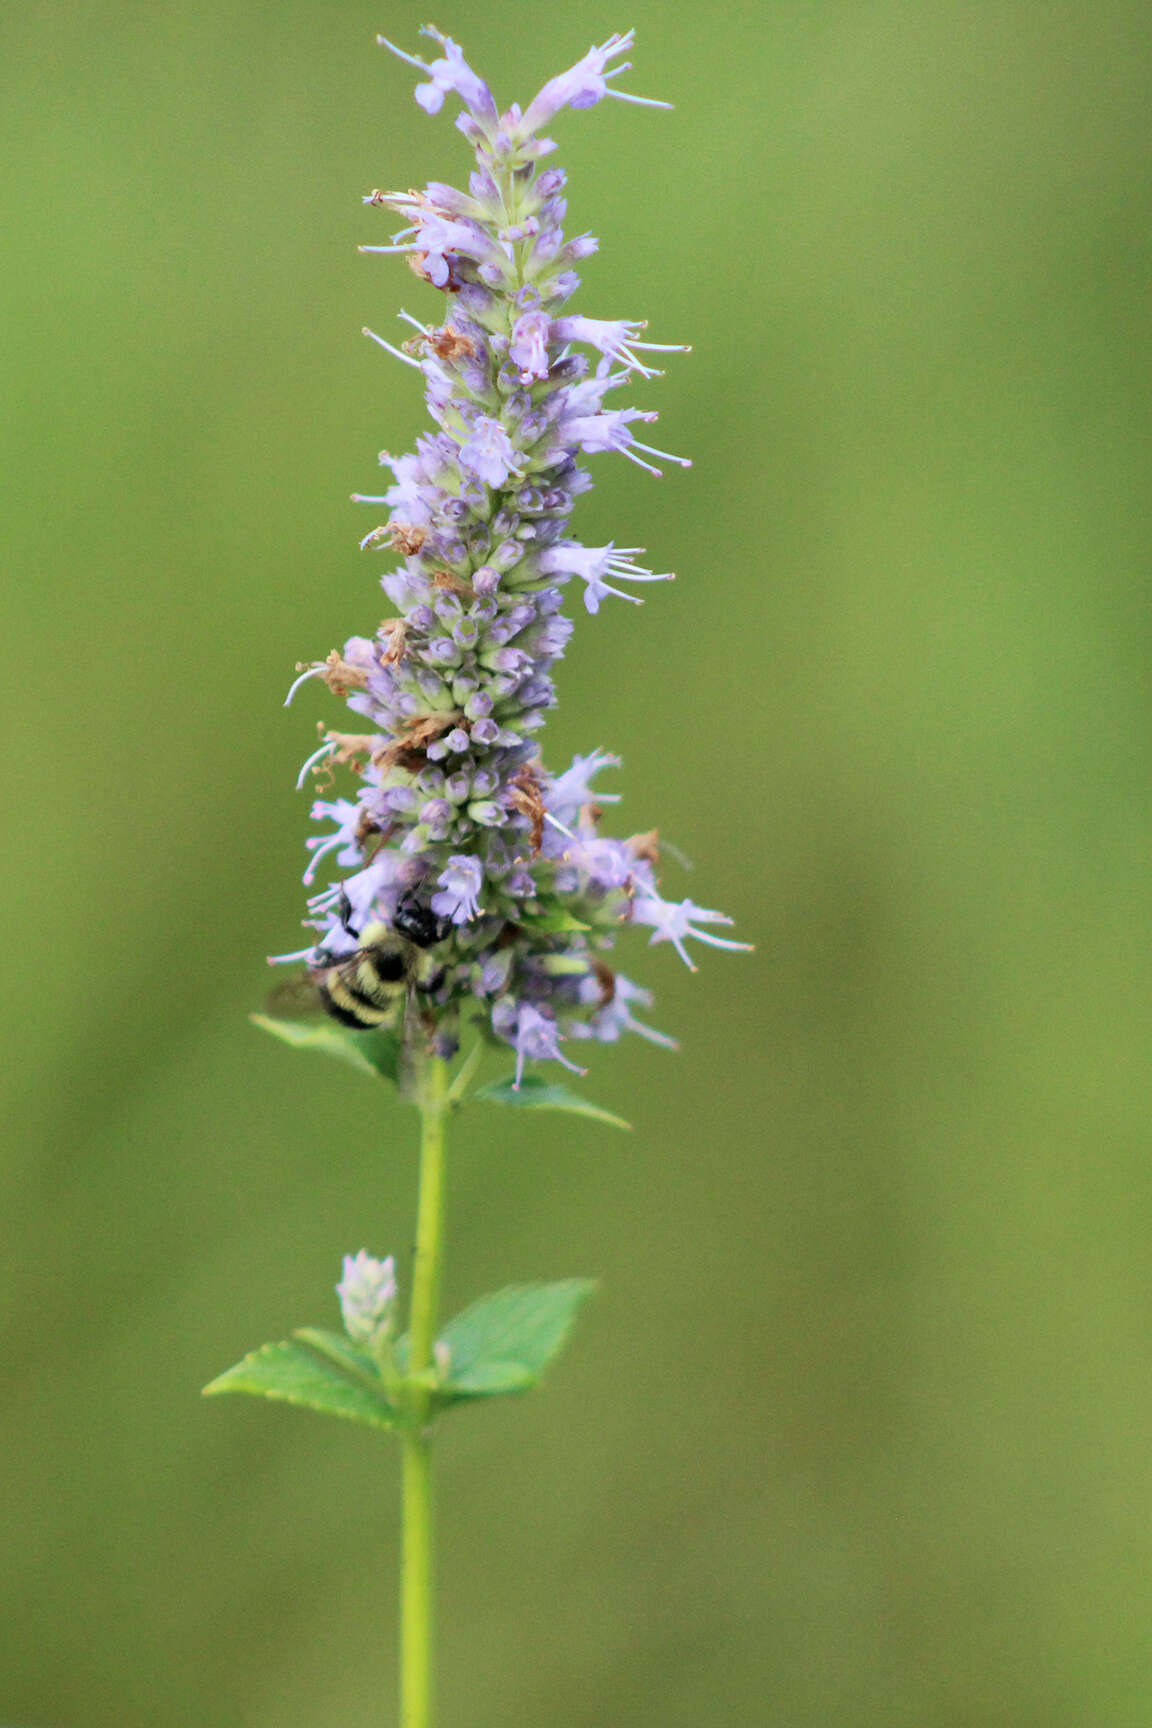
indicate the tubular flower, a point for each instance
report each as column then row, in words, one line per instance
column 455, row 811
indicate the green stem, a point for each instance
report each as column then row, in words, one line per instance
column 416, row 1585
column 416, row 1548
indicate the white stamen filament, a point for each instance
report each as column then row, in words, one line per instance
column 640, row 101
column 629, row 451
column 650, row 1033
column 387, row 346
column 316, row 756
column 333, row 842
column 684, row 461
column 309, row 672
column 383, row 42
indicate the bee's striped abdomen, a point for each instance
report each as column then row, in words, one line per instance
column 364, row 990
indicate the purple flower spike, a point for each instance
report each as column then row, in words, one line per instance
column 455, row 818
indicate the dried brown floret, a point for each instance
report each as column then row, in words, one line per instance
column 449, row 344
column 606, row 979
column 340, row 677
column 453, row 584
column 349, row 745
column 408, row 750
column 365, row 828
column 396, row 630
column 645, row 847
column 528, row 800
column 405, row 538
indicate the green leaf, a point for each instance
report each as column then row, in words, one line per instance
column 486, row 1379
column 382, row 1049
column 503, row 1343
column 375, row 1052
column 353, row 1359
column 550, row 923
column 302, row 1370
column 536, row 1094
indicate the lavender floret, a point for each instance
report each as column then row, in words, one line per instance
column 455, row 808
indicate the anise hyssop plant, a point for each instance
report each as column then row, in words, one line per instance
column 475, row 891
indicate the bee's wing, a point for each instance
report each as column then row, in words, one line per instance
column 297, row 998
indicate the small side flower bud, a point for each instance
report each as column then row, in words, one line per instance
column 367, row 1295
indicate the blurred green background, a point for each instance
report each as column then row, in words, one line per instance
column 860, row 1429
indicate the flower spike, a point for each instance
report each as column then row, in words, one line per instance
column 455, row 828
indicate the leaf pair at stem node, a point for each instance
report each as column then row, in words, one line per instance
column 501, row 1345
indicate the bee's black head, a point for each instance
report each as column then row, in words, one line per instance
column 419, row 923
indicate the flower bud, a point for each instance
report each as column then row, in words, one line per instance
column 367, row 1295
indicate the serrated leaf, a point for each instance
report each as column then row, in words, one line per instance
column 536, row 1094
column 355, row 1361
column 374, row 1052
column 294, row 1372
column 550, row 923
column 504, row 1342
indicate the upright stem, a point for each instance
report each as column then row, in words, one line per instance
column 416, row 1585
column 416, row 1552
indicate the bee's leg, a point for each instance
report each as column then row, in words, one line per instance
column 428, row 983
column 344, row 913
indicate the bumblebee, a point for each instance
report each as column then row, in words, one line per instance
column 369, row 986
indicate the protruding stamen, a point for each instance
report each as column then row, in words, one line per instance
column 640, row 101
column 630, row 452
column 332, row 844
column 308, row 672
column 383, row 42
column 316, row 757
column 683, row 461
column 398, row 353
